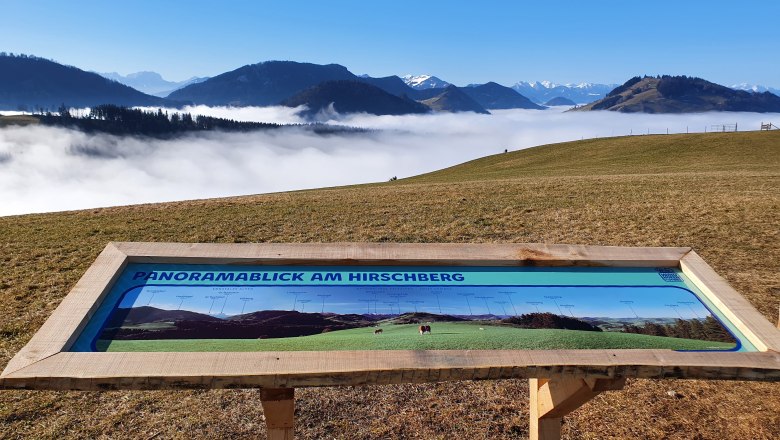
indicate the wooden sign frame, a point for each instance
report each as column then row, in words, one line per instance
column 46, row 363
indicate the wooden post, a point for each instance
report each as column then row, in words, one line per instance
column 279, row 410
column 551, row 399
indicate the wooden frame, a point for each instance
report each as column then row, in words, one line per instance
column 45, row 363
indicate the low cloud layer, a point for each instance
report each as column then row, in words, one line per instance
column 52, row 169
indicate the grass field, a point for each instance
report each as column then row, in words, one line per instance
column 445, row 336
column 719, row 193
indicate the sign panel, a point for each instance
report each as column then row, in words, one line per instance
column 216, row 308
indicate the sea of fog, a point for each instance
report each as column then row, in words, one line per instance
column 46, row 169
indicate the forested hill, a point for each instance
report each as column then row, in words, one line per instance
column 682, row 94
column 261, row 84
column 32, row 83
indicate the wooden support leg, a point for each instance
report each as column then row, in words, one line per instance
column 551, row 399
column 279, row 410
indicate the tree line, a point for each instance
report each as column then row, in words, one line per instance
column 120, row 120
column 708, row 329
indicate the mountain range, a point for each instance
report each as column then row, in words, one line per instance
column 288, row 83
column 303, row 84
column 33, row 83
column 755, row 88
column 544, row 91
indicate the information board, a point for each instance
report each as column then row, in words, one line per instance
column 574, row 320
column 187, row 308
column 282, row 316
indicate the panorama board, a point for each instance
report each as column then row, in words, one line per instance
column 229, row 308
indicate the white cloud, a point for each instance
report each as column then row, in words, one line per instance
column 52, row 169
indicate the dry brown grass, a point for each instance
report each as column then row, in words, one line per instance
column 6, row 121
column 721, row 200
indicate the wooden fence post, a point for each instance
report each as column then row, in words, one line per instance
column 279, row 410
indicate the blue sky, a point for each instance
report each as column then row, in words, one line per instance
column 615, row 302
column 461, row 42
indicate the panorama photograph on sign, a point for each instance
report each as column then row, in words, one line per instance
column 185, row 308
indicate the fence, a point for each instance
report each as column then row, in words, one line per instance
column 769, row 126
column 724, row 128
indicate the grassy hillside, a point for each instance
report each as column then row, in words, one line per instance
column 446, row 336
column 679, row 153
column 719, row 193
column 6, row 121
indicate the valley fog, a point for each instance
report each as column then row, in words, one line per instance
column 45, row 169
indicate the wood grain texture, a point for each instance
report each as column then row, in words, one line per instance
column 737, row 309
column 440, row 254
column 102, row 371
column 73, row 313
column 540, row 428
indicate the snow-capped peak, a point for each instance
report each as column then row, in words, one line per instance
column 755, row 88
column 582, row 85
column 421, row 82
column 581, row 93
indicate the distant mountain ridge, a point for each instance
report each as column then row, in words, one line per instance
column 147, row 314
column 543, row 91
column 681, row 94
column 559, row 100
column 33, row 83
column 316, row 86
column 756, row 88
column 151, row 83
column 495, row 96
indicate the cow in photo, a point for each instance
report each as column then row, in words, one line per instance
column 425, row 329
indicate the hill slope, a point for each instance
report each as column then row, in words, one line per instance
column 719, row 193
column 353, row 97
column 622, row 156
column 453, row 99
column 391, row 84
column 33, row 83
column 495, row 96
column 681, row 94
